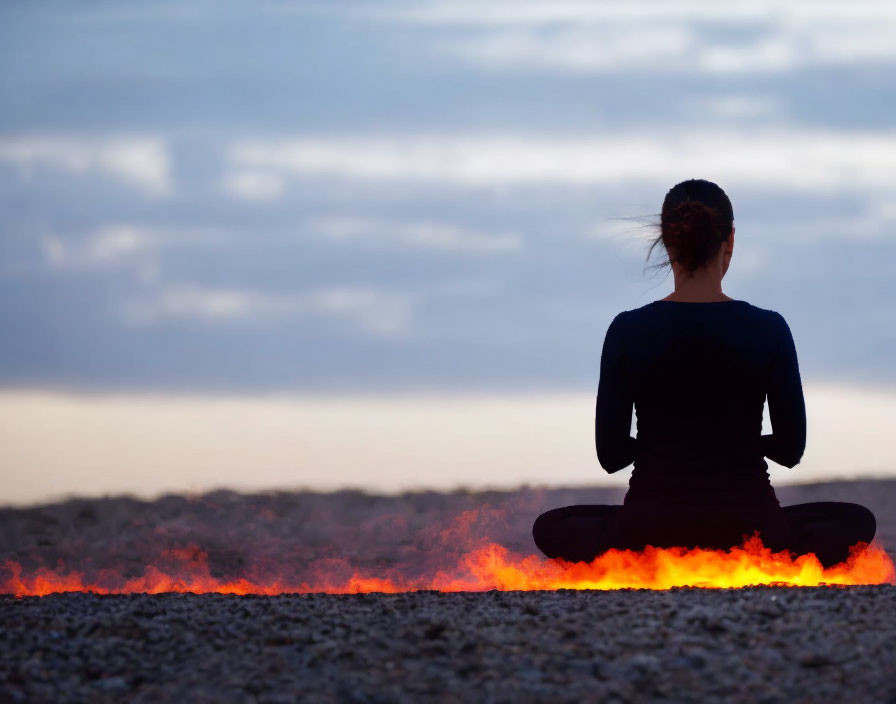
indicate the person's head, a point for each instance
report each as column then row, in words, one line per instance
column 696, row 227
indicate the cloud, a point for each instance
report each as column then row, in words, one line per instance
column 160, row 12
column 119, row 246
column 141, row 162
column 108, row 248
column 423, row 235
column 771, row 158
column 740, row 105
column 662, row 49
column 373, row 311
column 254, row 185
column 875, row 222
column 652, row 36
column 574, row 49
column 538, row 12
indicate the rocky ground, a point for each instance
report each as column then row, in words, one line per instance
column 301, row 536
column 753, row 645
column 757, row 644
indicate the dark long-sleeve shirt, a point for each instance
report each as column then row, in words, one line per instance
column 697, row 375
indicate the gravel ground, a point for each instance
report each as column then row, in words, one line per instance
column 758, row 644
column 308, row 537
column 753, row 645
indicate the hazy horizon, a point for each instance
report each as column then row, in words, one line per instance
column 148, row 444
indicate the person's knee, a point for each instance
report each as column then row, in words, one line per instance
column 546, row 524
column 541, row 533
column 865, row 523
column 538, row 527
column 857, row 523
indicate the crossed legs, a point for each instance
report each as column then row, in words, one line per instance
column 582, row 532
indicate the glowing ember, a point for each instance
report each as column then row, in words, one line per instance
column 491, row 567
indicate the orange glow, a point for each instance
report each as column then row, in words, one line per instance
column 492, row 567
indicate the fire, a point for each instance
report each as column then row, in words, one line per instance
column 490, row 566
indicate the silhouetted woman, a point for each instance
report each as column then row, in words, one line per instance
column 698, row 366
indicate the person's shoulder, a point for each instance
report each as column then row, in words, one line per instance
column 768, row 314
column 619, row 320
column 640, row 311
column 631, row 316
column 737, row 307
column 622, row 323
column 655, row 307
column 773, row 320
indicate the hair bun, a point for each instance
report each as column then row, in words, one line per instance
column 692, row 232
column 697, row 217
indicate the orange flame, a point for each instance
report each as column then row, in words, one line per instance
column 494, row 567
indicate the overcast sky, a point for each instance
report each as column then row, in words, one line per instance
column 355, row 196
column 369, row 197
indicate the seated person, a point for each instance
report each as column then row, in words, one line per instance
column 697, row 366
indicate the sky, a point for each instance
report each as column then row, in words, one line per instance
column 396, row 203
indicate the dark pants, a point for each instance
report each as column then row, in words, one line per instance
column 581, row 533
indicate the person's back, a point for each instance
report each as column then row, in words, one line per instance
column 697, row 367
column 698, row 375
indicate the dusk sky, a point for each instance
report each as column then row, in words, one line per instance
column 371, row 201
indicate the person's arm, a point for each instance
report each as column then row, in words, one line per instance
column 786, row 405
column 613, row 417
